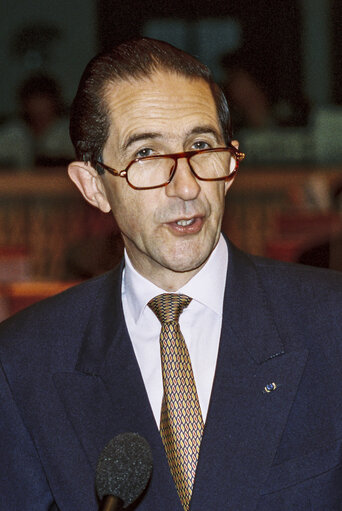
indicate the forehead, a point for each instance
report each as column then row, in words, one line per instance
column 165, row 102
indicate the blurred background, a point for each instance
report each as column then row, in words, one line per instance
column 280, row 65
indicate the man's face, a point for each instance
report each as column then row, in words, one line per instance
column 168, row 232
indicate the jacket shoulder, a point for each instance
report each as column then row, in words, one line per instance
column 305, row 301
column 57, row 320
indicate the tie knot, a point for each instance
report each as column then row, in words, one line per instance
column 168, row 307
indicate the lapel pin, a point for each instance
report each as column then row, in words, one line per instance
column 270, row 387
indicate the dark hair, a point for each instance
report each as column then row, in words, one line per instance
column 138, row 58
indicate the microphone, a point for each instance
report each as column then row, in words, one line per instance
column 123, row 470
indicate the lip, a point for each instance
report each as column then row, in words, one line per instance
column 193, row 228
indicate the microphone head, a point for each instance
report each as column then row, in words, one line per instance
column 124, row 468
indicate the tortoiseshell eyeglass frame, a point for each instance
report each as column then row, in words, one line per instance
column 239, row 156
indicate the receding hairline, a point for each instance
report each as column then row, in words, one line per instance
column 107, row 92
column 148, row 77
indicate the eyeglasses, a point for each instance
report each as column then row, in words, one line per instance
column 218, row 164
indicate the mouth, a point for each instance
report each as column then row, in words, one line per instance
column 186, row 225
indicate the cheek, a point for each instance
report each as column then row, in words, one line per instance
column 133, row 212
column 216, row 197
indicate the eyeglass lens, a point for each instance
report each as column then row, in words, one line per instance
column 156, row 171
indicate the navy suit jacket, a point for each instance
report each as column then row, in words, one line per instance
column 70, row 382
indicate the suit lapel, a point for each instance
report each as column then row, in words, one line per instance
column 245, row 423
column 105, row 395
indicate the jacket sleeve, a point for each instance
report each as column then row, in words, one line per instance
column 23, row 483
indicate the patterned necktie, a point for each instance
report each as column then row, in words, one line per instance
column 181, row 423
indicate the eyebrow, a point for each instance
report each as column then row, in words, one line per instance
column 202, row 130
column 150, row 135
column 139, row 136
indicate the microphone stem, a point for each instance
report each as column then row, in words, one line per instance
column 111, row 503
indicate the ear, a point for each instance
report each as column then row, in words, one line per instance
column 89, row 184
column 228, row 184
column 235, row 143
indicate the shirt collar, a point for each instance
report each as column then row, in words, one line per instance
column 206, row 287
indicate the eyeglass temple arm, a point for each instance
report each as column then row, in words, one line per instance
column 102, row 167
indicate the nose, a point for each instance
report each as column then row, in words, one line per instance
column 184, row 184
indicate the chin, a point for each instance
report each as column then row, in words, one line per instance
column 180, row 265
column 190, row 256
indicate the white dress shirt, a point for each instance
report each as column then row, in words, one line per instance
column 200, row 324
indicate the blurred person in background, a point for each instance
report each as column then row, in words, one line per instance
column 39, row 136
column 249, row 100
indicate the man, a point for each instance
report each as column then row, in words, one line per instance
column 151, row 132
